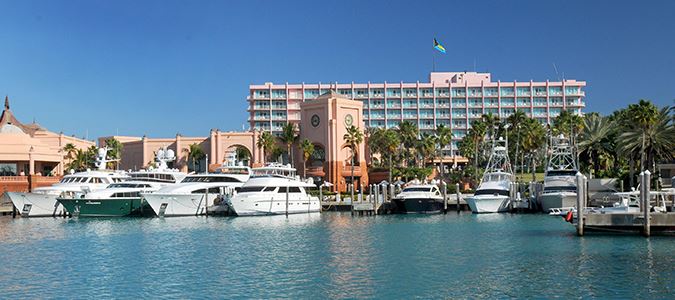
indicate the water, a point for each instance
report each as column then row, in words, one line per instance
column 330, row 255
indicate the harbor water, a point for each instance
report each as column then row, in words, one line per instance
column 329, row 255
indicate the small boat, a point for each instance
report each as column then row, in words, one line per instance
column 124, row 198
column 42, row 201
column 272, row 190
column 423, row 198
column 492, row 195
column 560, row 187
column 198, row 194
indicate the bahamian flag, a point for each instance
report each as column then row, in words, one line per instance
column 438, row 46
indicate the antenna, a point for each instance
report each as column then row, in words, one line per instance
column 556, row 71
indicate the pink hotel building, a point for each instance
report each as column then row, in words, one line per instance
column 451, row 98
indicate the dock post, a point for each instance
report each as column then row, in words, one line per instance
column 581, row 194
column 444, row 186
column 13, row 211
column 286, row 200
column 351, row 202
column 458, row 195
column 645, row 187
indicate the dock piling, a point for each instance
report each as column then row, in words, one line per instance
column 581, row 194
column 644, row 194
column 444, row 185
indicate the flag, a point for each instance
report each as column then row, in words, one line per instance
column 438, row 46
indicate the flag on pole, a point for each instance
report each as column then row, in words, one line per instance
column 438, row 46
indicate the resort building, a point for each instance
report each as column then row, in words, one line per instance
column 30, row 155
column 454, row 99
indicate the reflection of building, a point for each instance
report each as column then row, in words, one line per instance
column 454, row 99
column 324, row 122
column 138, row 152
column 28, row 153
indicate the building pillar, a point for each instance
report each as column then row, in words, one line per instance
column 31, row 162
column 213, row 140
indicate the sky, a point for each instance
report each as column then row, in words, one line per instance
column 158, row 68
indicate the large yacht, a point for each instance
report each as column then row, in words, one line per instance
column 42, row 201
column 198, row 194
column 560, row 188
column 492, row 195
column 421, row 198
column 274, row 189
column 124, row 198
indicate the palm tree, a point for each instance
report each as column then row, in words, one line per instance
column 266, row 142
column 242, row 154
column 307, row 149
column 654, row 140
column 408, row 133
column 491, row 121
column 196, row 154
column 594, row 139
column 516, row 121
column 114, row 151
column 533, row 138
column 643, row 116
column 426, row 146
column 390, row 143
column 288, row 136
column 476, row 136
column 70, row 151
column 443, row 138
column 568, row 124
column 353, row 138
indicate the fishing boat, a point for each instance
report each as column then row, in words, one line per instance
column 124, row 198
column 420, row 198
column 199, row 194
column 492, row 195
column 560, row 188
column 274, row 189
column 42, row 201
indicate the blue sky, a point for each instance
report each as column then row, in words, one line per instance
column 163, row 67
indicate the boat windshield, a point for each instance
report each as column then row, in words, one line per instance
column 560, row 189
column 496, row 177
column 74, row 179
column 417, row 189
column 209, row 179
column 239, row 171
column 252, row 189
column 153, row 177
column 128, row 185
column 494, row 192
column 561, row 173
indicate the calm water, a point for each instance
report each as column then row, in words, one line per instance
column 330, row 255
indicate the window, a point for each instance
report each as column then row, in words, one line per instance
column 294, row 189
column 393, row 92
column 442, row 92
column 506, row 91
column 9, row 169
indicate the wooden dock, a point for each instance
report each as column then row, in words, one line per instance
column 630, row 222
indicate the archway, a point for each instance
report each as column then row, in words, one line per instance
column 241, row 153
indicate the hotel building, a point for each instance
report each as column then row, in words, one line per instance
column 454, row 99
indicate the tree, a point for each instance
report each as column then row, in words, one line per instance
column 307, row 149
column 195, row 154
column 476, row 137
column 242, row 154
column 594, row 139
column 353, row 138
column 568, row 124
column 516, row 121
column 70, row 151
column 426, row 147
column 408, row 134
column 534, row 136
column 651, row 140
column 443, row 138
column 390, row 143
column 266, row 142
column 288, row 136
column 114, row 152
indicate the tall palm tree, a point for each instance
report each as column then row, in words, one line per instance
column 568, row 124
column 196, row 154
column 70, row 151
column 491, row 121
column 534, row 138
column 443, row 138
column 307, row 149
column 516, row 121
column 266, row 142
column 114, row 152
column 353, row 138
column 643, row 116
column 408, row 133
column 654, row 140
column 476, row 135
column 594, row 139
column 426, row 146
column 288, row 136
column 390, row 143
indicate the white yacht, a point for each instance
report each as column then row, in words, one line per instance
column 560, row 188
column 198, row 194
column 124, row 198
column 42, row 201
column 274, row 189
column 492, row 195
column 419, row 198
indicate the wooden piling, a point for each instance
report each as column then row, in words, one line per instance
column 458, row 195
column 645, row 187
column 581, row 193
column 444, row 186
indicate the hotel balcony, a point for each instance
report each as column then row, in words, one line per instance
column 278, row 107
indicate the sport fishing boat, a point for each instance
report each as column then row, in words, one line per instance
column 492, row 195
column 422, row 198
column 274, row 189
column 124, row 198
column 198, row 194
column 560, row 188
column 42, row 201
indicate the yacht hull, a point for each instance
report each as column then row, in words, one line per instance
column 417, row 205
column 265, row 207
column 106, row 207
column 557, row 200
column 491, row 204
column 36, row 205
column 175, row 205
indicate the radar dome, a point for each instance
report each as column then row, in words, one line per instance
column 160, row 153
column 101, row 152
column 170, row 154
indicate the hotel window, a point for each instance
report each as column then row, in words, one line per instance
column 572, row 90
column 458, row 92
column 376, row 104
column 540, row 91
column 345, row 92
column 279, row 104
column 523, row 102
column 393, row 114
column 377, row 124
column 426, row 92
column 410, row 92
column 377, row 114
column 508, row 102
column 475, row 102
column 261, row 94
column 445, row 123
column 458, row 113
column 366, row 115
column 523, row 91
column 410, row 114
column 361, row 93
column 392, row 92
column 393, row 103
column 458, row 123
column 556, row 101
column 311, row 94
column 490, row 92
column 426, row 102
column 506, row 91
column 461, row 102
column 323, row 91
column 573, row 101
column 555, row 91
column 279, row 115
column 442, row 103
column 261, row 105
column 554, row 112
column 427, row 124
column 8, row 169
column 376, row 93
column 539, row 101
column 475, row 92
column 442, row 113
column 539, row 112
column 475, row 112
column 458, row 133
column 410, row 103
column 506, row 112
column 393, row 124
column 492, row 102
column 278, row 94
column 493, row 111
column 427, row 113
column 442, row 92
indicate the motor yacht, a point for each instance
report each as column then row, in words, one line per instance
column 41, row 202
column 492, row 195
column 420, row 198
column 274, row 189
column 560, row 187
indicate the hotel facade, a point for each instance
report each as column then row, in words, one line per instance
column 454, row 99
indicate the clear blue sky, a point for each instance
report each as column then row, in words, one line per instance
column 162, row 67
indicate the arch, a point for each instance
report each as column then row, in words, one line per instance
column 242, row 154
column 318, row 158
